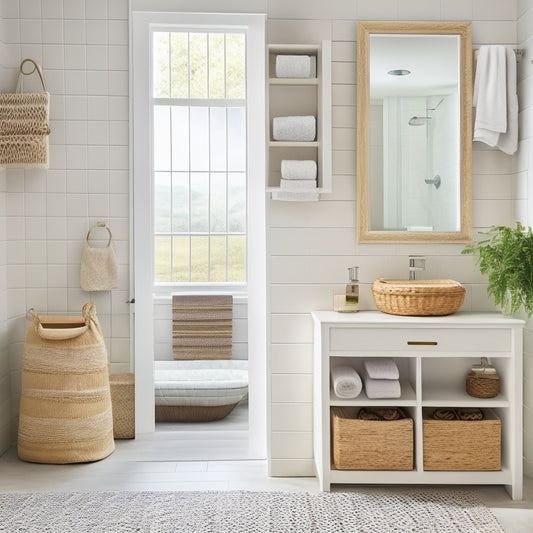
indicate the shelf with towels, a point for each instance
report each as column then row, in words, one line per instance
column 295, row 96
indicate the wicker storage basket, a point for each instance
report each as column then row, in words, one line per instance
column 123, row 401
column 418, row 298
column 370, row 444
column 482, row 385
column 456, row 445
column 65, row 404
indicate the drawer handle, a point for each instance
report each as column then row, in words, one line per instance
column 422, row 343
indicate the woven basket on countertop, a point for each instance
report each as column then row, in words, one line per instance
column 418, row 298
column 370, row 444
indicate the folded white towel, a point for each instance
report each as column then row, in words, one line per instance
column 292, row 66
column 300, row 128
column 295, row 169
column 295, row 196
column 346, row 382
column 495, row 98
column 381, row 388
column 297, row 185
column 382, row 368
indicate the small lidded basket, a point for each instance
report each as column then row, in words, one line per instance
column 483, row 380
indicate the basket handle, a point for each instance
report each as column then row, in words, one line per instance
column 36, row 68
column 65, row 333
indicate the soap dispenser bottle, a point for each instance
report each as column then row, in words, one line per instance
column 352, row 291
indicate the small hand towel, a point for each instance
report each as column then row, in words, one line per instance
column 99, row 271
column 381, row 388
column 297, row 185
column 382, row 368
column 298, row 128
column 295, row 66
column 346, row 382
column 295, row 196
column 298, row 169
column 495, row 98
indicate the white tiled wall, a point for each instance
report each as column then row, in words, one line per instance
column 523, row 170
column 82, row 47
column 311, row 245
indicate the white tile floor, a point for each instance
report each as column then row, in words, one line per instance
column 193, row 459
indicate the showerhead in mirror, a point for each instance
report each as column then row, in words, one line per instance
column 418, row 121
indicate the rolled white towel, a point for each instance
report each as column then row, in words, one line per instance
column 297, row 185
column 381, row 388
column 298, row 169
column 295, row 196
column 299, row 128
column 382, row 368
column 292, row 66
column 346, row 382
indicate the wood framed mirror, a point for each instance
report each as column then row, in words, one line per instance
column 414, row 132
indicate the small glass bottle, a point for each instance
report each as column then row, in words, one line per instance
column 352, row 291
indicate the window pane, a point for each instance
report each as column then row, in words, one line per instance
column 161, row 137
column 179, row 75
column 217, row 137
column 236, row 138
column 162, row 202
column 180, row 202
column 235, row 66
column 216, row 65
column 199, row 124
column 198, row 65
column 180, row 138
column 199, row 258
column 180, row 259
column 162, row 258
column 237, row 202
column 200, row 202
column 217, row 259
column 218, row 202
column 236, row 258
column 161, row 65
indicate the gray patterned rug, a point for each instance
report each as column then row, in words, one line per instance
column 363, row 510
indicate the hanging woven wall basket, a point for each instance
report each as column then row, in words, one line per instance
column 65, row 406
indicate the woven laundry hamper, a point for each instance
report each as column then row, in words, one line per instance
column 123, row 401
column 65, row 405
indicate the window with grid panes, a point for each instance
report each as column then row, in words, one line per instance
column 199, row 156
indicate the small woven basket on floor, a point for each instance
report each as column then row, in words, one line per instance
column 370, row 444
column 462, row 445
column 123, row 401
column 65, row 405
column 418, row 298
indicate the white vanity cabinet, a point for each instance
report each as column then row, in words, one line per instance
column 433, row 354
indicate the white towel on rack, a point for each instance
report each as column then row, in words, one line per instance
column 495, row 98
column 295, row 196
column 298, row 169
column 297, row 185
column 381, row 368
column 346, row 382
column 295, row 66
column 299, row 128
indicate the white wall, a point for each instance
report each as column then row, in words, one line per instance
column 523, row 170
column 82, row 47
column 312, row 244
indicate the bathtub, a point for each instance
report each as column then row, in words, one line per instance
column 198, row 391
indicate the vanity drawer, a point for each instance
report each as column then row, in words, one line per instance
column 420, row 339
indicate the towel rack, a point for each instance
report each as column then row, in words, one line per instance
column 519, row 52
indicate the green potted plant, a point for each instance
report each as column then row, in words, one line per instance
column 506, row 257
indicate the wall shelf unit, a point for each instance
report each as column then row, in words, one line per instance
column 431, row 376
column 300, row 96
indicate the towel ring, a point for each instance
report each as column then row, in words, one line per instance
column 35, row 68
column 100, row 225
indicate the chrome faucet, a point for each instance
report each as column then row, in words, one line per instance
column 417, row 263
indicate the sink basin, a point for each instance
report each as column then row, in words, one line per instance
column 421, row 297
